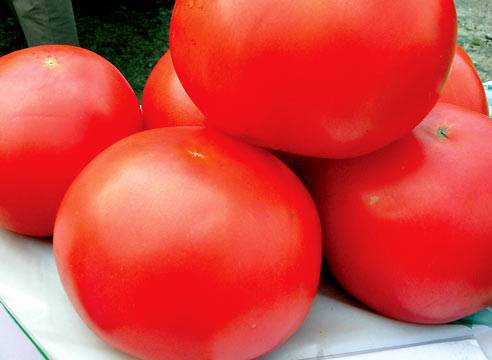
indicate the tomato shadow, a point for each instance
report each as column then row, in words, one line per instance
column 331, row 288
column 16, row 237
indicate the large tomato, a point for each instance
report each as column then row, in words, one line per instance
column 464, row 87
column 59, row 107
column 334, row 78
column 407, row 229
column 164, row 101
column 180, row 243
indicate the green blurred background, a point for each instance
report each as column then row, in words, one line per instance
column 133, row 34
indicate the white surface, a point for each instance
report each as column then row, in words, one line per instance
column 337, row 325
column 456, row 350
column 13, row 343
column 485, row 340
column 29, row 285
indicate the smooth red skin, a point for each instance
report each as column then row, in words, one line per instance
column 334, row 78
column 165, row 102
column 181, row 243
column 464, row 87
column 53, row 121
column 407, row 229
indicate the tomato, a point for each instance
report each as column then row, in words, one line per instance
column 59, row 107
column 334, row 78
column 464, row 87
column 407, row 229
column 165, row 102
column 181, row 243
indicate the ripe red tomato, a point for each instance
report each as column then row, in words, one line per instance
column 165, row 102
column 464, row 87
column 181, row 243
column 59, row 107
column 408, row 229
column 334, row 78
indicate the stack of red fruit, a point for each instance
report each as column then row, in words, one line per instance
column 191, row 240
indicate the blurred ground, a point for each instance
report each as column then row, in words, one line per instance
column 133, row 34
column 475, row 33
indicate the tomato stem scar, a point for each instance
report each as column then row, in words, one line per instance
column 50, row 62
column 442, row 131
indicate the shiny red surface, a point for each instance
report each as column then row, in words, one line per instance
column 59, row 107
column 181, row 243
column 464, row 87
column 407, row 229
column 336, row 78
column 165, row 102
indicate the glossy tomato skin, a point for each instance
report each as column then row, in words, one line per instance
column 464, row 87
column 322, row 78
column 181, row 243
column 59, row 107
column 165, row 102
column 407, row 229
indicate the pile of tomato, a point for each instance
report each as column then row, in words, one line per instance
column 192, row 239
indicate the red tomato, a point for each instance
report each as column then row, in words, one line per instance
column 334, row 78
column 165, row 102
column 59, row 107
column 180, row 243
column 464, row 87
column 408, row 229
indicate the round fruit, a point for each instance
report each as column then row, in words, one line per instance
column 59, row 107
column 165, row 102
column 464, row 87
column 180, row 243
column 407, row 229
column 334, row 78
